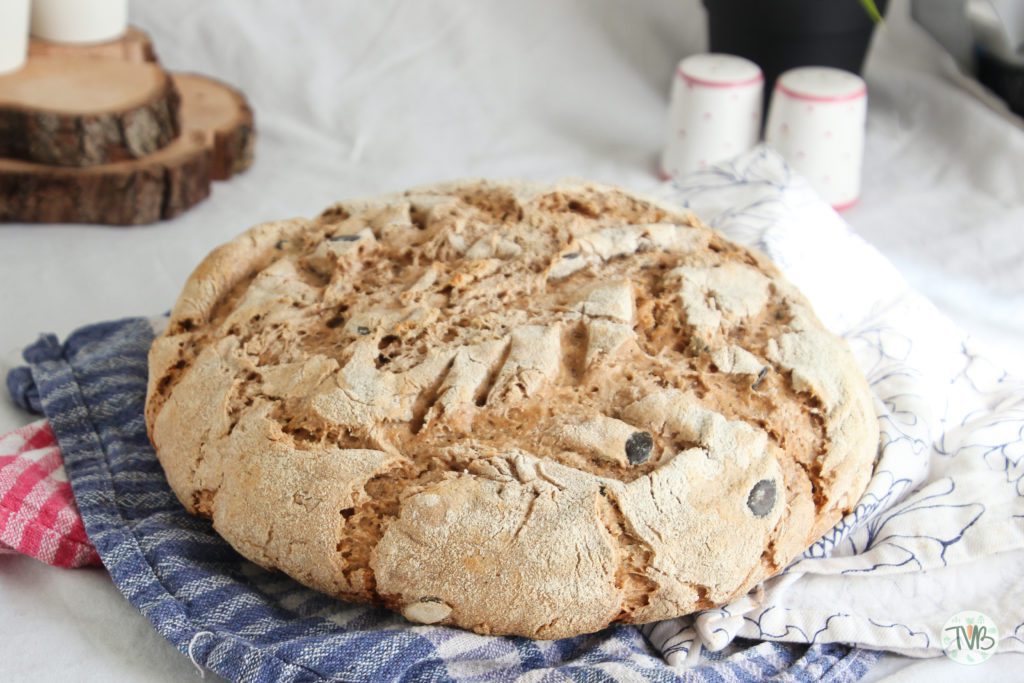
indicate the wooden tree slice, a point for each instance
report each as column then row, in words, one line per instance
column 222, row 114
column 161, row 185
column 65, row 111
column 133, row 46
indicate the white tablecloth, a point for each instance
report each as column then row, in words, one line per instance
column 359, row 99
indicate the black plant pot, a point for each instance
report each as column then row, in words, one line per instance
column 778, row 35
column 1005, row 79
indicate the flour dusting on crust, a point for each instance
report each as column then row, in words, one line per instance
column 513, row 408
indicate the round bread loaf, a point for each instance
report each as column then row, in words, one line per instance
column 512, row 408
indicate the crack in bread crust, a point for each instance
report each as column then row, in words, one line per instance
column 514, row 365
column 634, row 559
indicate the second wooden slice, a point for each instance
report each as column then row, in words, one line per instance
column 160, row 186
column 222, row 114
column 65, row 111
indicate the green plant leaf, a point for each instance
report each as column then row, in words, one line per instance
column 872, row 9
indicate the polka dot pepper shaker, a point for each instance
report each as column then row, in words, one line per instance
column 816, row 121
column 714, row 114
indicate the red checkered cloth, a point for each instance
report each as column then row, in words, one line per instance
column 38, row 515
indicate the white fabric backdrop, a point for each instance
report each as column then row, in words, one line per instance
column 362, row 98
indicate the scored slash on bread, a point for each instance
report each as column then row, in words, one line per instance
column 513, row 408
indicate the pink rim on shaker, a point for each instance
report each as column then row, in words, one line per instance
column 816, row 121
column 714, row 113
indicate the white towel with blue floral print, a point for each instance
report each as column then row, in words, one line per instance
column 940, row 528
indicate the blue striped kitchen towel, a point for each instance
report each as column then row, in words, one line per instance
column 248, row 624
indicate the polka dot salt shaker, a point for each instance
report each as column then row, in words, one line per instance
column 816, row 121
column 714, row 114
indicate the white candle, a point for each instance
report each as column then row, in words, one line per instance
column 13, row 34
column 79, row 21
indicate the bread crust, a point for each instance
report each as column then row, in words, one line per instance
column 513, row 408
